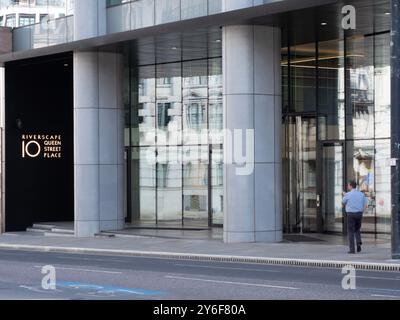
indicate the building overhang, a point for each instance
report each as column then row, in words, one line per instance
column 242, row 16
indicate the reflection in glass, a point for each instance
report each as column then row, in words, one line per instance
column 382, row 86
column 169, row 104
column 383, row 197
column 143, row 185
column 303, row 76
column 195, row 186
column 333, row 182
column 331, row 96
column 360, row 78
column 344, row 84
column 195, row 100
column 169, row 185
column 167, row 11
column 193, row 8
column 25, row 13
column 143, row 111
column 161, row 100
column 215, row 101
column 142, row 14
column 217, row 185
column 361, row 168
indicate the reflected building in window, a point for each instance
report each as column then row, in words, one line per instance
column 171, row 108
column 14, row 14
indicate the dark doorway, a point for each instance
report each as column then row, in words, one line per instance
column 39, row 141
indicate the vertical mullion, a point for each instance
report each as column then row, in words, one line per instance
column 156, row 139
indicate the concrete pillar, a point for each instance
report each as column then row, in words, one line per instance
column 395, row 114
column 2, row 150
column 98, row 142
column 252, row 100
column 90, row 19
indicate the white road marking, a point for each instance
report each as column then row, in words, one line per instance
column 384, row 296
column 89, row 259
column 84, row 270
column 378, row 278
column 34, row 289
column 379, row 289
column 230, row 282
column 229, row 268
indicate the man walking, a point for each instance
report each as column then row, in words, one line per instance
column 355, row 203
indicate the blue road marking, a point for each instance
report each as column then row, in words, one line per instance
column 107, row 289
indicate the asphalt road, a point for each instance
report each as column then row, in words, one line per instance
column 93, row 277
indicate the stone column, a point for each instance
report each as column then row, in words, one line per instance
column 98, row 143
column 2, row 150
column 252, row 100
column 395, row 114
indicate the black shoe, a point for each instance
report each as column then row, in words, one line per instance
column 351, row 252
column 359, row 249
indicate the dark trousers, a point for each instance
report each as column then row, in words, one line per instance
column 354, row 222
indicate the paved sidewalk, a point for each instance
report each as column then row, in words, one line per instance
column 302, row 254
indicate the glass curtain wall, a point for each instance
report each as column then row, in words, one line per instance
column 336, row 97
column 174, row 143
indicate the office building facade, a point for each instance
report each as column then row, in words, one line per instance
column 244, row 115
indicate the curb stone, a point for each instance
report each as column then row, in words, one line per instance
column 333, row 264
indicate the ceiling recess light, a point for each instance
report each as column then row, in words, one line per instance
column 387, row 13
column 174, row 48
column 218, row 41
column 324, row 24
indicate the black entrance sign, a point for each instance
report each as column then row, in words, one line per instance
column 39, row 141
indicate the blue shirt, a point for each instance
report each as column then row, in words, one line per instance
column 355, row 201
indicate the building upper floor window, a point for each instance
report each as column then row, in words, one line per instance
column 10, row 21
column 26, row 19
column 28, row 12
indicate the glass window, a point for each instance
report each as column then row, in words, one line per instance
column 161, row 100
column 144, row 106
column 361, row 168
column 215, row 92
column 361, row 93
column 303, row 77
column 10, row 21
column 331, row 86
column 217, row 185
column 169, row 185
column 142, row 14
column 169, row 104
column 351, row 111
column 193, row 8
column 167, row 11
column 300, row 179
column 382, row 86
column 143, row 185
column 195, row 185
column 195, row 101
column 26, row 19
column 383, row 189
